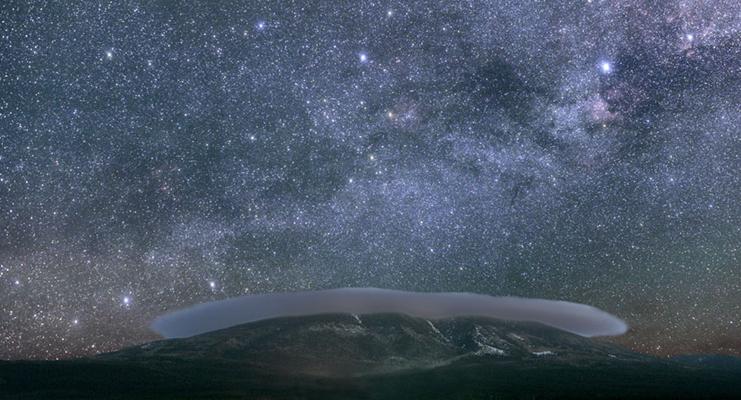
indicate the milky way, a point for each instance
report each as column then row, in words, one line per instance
column 156, row 155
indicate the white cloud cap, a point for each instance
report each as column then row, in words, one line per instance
column 577, row 318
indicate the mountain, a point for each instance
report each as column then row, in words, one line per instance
column 382, row 356
column 351, row 345
column 729, row 363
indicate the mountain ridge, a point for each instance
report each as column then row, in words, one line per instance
column 376, row 356
column 379, row 343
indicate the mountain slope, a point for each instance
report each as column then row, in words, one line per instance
column 382, row 356
column 345, row 345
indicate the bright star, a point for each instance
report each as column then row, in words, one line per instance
column 605, row 67
column 363, row 57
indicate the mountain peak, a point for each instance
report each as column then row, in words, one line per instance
column 372, row 356
column 354, row 344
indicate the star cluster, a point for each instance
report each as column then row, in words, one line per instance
column 154, row 155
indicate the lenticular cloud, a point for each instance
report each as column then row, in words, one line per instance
column 577, row 318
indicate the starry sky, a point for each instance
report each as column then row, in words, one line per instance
column 158, row 154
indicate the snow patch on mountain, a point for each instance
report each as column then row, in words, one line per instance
column 485, row 349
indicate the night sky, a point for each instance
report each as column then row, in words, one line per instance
column 155, row 155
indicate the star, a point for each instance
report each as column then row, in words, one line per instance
column 147, row 155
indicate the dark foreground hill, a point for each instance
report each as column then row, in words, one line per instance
column 372, row 357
